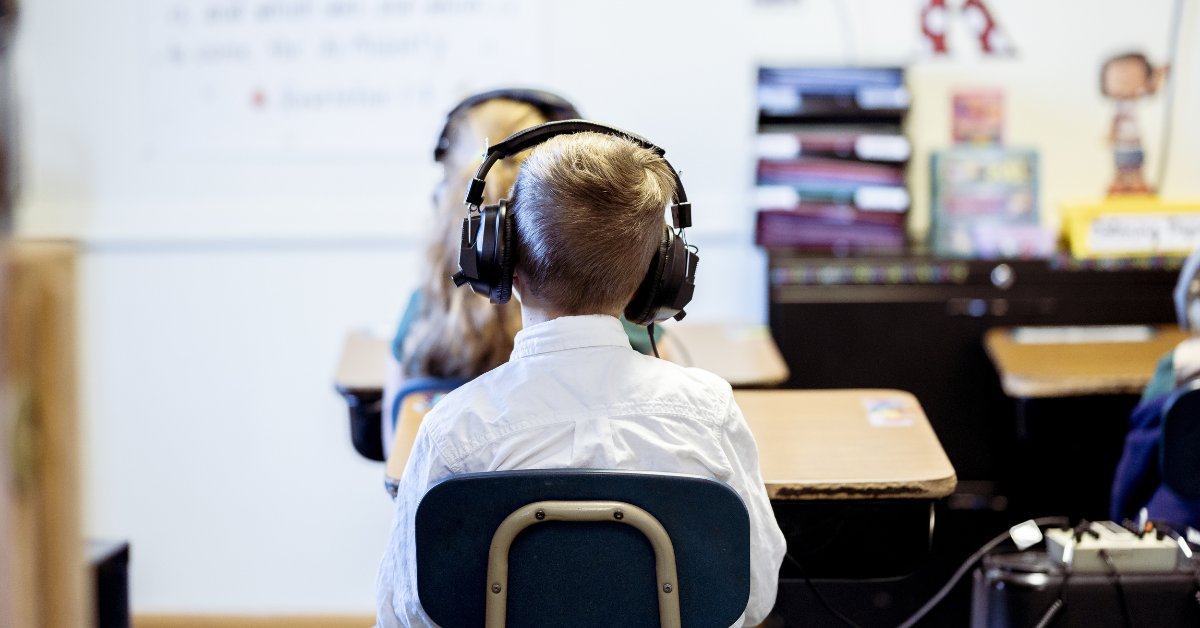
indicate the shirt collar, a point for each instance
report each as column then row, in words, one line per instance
column 570, row 332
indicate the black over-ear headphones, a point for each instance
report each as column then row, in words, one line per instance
column 489, row 253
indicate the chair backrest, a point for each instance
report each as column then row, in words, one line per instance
column 584, row 575
column 1179, row 452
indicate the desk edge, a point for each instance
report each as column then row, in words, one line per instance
column 913, row 489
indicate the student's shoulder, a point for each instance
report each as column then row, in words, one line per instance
column 698, row 384
column 473, row 397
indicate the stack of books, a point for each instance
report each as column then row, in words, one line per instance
column 831, row 159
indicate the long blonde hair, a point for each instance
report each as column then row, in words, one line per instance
column 457, row 333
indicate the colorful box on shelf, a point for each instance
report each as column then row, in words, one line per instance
column 1132, row 226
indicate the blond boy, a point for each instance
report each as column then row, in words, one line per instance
column 589, row 215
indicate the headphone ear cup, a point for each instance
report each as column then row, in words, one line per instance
column 645, row 303
column 506, row 253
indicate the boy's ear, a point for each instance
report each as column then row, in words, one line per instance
column 516, row 285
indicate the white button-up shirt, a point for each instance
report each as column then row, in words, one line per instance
column 575, row 395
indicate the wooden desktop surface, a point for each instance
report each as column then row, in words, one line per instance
column 812, row 444
column 821, row 444
column 363, row 362
column 742, row 354
column 1029, row 371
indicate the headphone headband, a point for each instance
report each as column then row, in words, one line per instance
column 553, row 106
column 681, row 211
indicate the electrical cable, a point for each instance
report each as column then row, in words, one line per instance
column 966, row 566
column 1056, row 606
column 1192, row 559
column 1116, row 580
column 949, row 586
column 653, row 346
column 962, row 570
column 1169, row 97
column 1050, row 614
column 820, row 598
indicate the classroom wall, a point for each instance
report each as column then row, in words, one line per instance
column 217, row 289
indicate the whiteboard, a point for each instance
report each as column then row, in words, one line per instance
column 324, row 78
column 128, row 135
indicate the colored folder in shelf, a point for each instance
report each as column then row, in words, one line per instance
column 887, row 198
column 848, row 143
column 814, row 173
column 791, row 229
column 840, row 213
column 800, row 92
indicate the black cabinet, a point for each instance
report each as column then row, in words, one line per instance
column 916, row 323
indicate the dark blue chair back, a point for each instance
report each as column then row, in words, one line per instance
column 583, row 575
column 1180, row 443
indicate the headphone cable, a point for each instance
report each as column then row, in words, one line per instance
column 653, row 346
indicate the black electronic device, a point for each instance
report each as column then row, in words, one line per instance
column 488, row 251
column 1030, row 589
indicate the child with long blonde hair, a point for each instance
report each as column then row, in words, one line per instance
column 446, row 333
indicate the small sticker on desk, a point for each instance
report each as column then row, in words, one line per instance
column 890, row 412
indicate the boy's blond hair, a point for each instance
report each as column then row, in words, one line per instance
column 589, row 211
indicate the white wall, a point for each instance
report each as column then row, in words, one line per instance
column 217, row 291
column 215, row 441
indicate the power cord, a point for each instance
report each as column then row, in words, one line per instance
column 1116, row 580
column 1056, row 606
column 1050, row 614
column 949, row 586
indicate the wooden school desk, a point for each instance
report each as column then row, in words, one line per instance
column 845, row 444
column 1073, row 366
column 1073, row 389
column 362, row 363
column 852, row 475
column 359, row 379
column 745, row 355
column 742, row 354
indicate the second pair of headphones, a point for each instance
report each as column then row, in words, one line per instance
column 489, row 251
